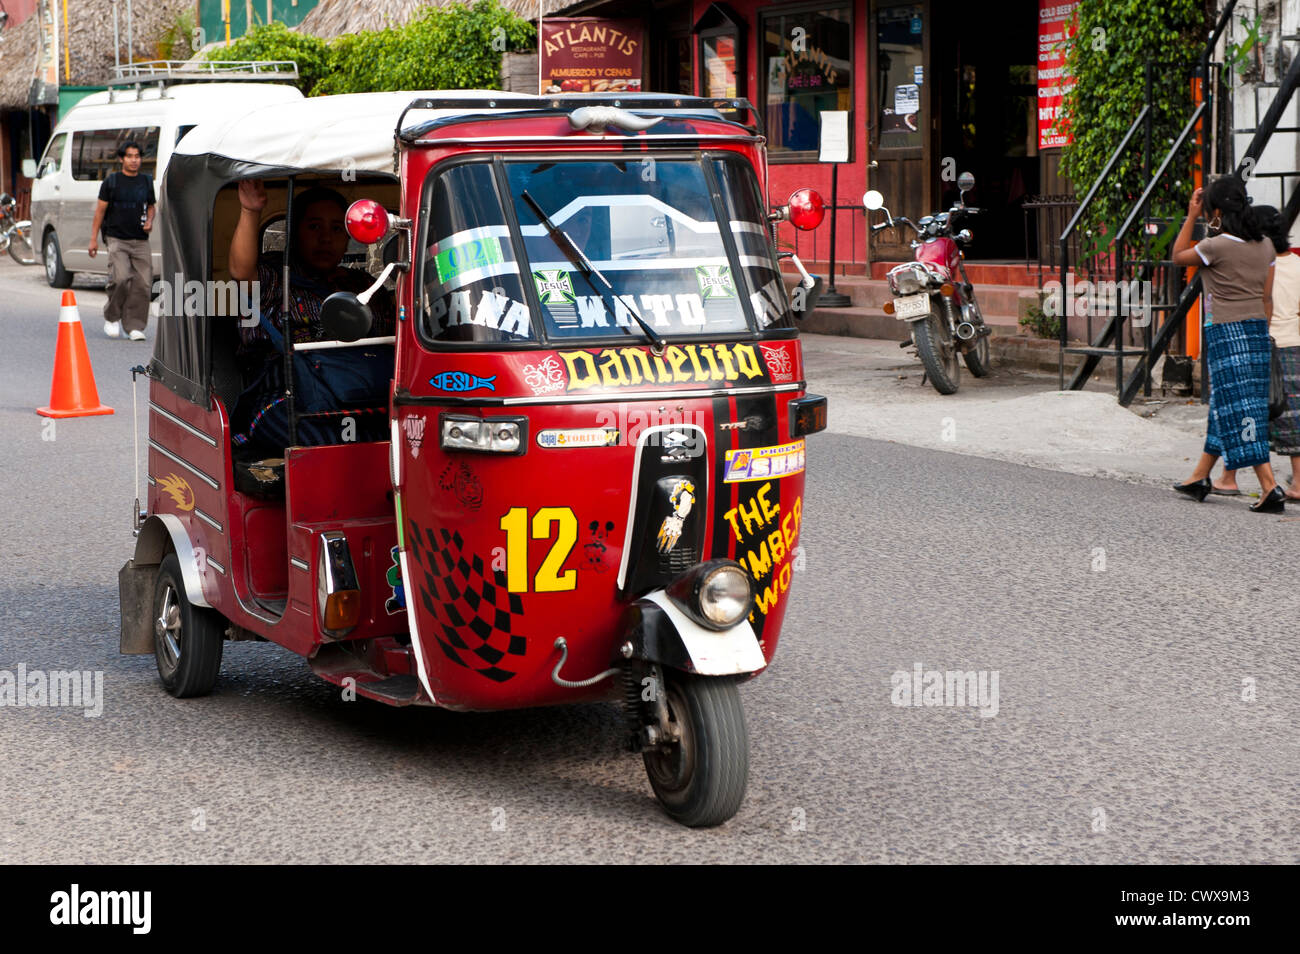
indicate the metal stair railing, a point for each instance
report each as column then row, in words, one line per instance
column 1263, row 132
column 1065, row 251
column 1109, row 343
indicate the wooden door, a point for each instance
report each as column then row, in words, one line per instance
column 903, row 124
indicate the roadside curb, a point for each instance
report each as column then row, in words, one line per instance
column 1008, row 347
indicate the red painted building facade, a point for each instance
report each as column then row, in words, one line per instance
column 932, row 87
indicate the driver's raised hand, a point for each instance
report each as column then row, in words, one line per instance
column 252, row 195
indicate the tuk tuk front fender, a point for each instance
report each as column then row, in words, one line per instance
column 151, row 546
column 661, row 633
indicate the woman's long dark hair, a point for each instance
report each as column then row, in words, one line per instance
column 1275, row 228
column 1226, row 196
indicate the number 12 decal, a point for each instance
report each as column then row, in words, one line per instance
column 548, row 579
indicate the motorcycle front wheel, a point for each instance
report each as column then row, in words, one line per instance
column 938, row 352
column 20, row 245
column 700, row 779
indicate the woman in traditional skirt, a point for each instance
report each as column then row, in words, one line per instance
column 1235, row 268
column 1284, row 327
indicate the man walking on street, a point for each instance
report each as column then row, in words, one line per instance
column 125, row 212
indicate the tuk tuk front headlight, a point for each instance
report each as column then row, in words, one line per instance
column 491, row 435
column 716, row 594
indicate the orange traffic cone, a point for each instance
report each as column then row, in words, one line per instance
column 72, row 392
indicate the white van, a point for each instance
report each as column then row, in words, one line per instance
column 83, row 151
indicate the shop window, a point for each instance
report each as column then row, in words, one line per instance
column 807, row 59
column 900, row 76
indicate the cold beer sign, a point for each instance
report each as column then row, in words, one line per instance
column 1056, row 26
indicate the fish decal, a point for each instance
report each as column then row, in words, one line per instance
column 180, row 492
column 462, row 381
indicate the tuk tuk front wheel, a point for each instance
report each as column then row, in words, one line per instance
column 700, row 778
column 187, row 639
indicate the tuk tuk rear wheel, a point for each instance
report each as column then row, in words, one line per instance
column 700, row 779
column 187, row 639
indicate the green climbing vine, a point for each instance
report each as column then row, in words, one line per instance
column 1113, row 42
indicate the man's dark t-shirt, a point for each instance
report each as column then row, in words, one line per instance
column 128, row 198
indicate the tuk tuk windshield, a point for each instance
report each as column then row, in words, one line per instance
column 646, row 226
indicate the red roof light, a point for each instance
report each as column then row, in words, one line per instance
column 367, row 221
column 806, row 209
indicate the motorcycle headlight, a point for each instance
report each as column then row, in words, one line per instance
column 725, row 595
column 716, row 594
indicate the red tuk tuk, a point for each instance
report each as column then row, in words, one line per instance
column 582, row 478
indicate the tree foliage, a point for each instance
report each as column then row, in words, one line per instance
column 275, row 41
column 1114, row 41
column 458, row 46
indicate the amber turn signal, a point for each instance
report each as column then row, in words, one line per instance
column 946, row 289
column 342, row 609
column 889, row 307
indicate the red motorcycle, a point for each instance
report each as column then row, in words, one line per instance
column 945, row 318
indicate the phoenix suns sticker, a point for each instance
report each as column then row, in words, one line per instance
column 763, row 463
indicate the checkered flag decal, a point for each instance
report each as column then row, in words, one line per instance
column 475, row 619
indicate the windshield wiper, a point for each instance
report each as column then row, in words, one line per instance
column 590, row 271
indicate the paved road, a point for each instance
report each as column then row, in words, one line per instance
column 1121, row 733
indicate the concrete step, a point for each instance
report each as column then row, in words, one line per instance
column 866, row 322
column 988, row 273
column 1020, row 274
column 996, row 301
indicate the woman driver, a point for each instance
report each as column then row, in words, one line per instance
column 318, row 240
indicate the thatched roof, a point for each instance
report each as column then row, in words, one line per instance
column 331, row 18
column 17, row 62
column 89, row 43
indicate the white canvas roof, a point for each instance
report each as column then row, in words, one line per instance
column 353, row 130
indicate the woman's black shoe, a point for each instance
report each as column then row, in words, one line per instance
column 1196, row 489
column 1273, row 502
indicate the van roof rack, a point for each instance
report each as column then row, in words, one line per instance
column 162, row 73
column 566, row 102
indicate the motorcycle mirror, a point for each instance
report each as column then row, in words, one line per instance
column 965, row 182
column 344, row 317
column 873, row 200
column 29, row 168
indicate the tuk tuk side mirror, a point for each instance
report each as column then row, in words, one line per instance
column 367, row 221
column 397, row 247
column 29, row 168
column 809, row 297
column 344, row 317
